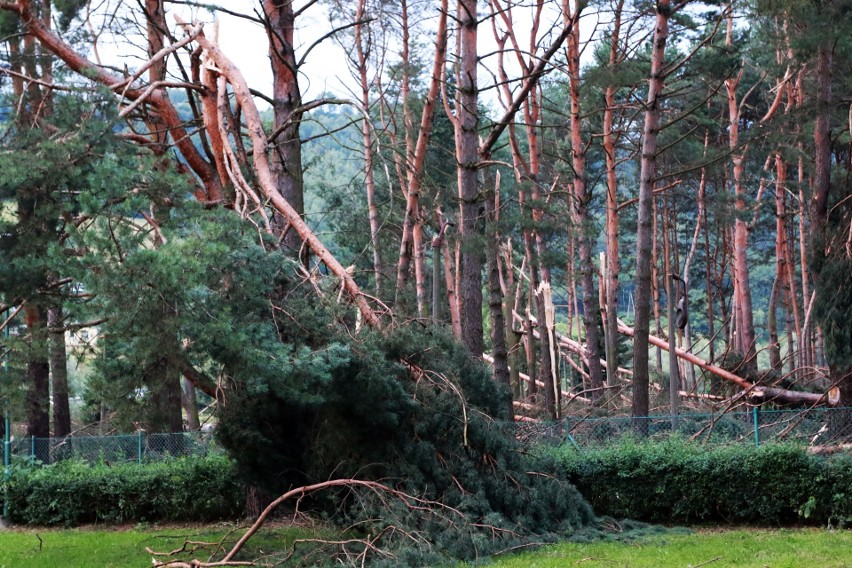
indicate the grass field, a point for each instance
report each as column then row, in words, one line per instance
column 803, row 548
column 125, row 548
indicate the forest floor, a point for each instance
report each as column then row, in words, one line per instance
column 126, row 547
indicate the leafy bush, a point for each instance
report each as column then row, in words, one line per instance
column 70, row 492
column 676, row 482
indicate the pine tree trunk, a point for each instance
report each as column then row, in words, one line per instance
column 470, row 206
column 286, row 154
column 644, row 237
column 613, row 265
column 59, row 373
column 772, row 328
column 495, row 305
column 742, row 286
column 367, row 141
column 671, row 293
column 412, row 240
column 782, row 275
column 38, row 379
column 700, row 220
column 581, row 196
column 655, row 284
column 512, row 343
column 189, row 401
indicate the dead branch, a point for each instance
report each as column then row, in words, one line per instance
column 412, row 502
column 99, row 74
column 264, row 175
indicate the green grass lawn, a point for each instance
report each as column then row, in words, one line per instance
column 803, row 548
column 125, row 548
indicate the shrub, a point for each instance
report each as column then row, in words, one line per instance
column 677, row 482
column 70, row 492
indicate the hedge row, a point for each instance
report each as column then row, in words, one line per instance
column 70, row 493
column 676, row 482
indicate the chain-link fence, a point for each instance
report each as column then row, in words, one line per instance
column 813, row 427
column 139, row 447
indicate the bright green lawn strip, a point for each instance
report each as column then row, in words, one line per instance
column 123, row 548
column 717, row 549
column 86, row 548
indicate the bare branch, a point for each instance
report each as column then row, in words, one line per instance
column 264, row 176
column 530, row 82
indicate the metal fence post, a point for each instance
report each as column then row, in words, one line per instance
column 139, row 436
column 7, row 461
column 32, row 450
column 756, row 427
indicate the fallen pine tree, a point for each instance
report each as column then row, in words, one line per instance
column 757, row 394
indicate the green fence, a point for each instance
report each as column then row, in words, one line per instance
column 138, row 447
column 814, row 427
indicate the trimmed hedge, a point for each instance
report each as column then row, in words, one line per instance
column 677, row 482
column 183, row 489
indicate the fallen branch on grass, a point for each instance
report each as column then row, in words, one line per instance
column 411, row 502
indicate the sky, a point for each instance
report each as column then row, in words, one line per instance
column 325, row 69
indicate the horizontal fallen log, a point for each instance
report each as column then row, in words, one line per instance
column 755, row 394
column 701, row 396
column 829, row 449
column 520, row 418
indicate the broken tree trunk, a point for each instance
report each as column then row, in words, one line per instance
column 756, row 394
column 265, row 179
column 526, row 378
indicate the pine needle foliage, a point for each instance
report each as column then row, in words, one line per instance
column 409, row 408
column 307, row 395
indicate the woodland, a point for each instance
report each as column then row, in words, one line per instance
column 520, row 211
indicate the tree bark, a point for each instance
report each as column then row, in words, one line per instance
column 647, row 178
column 581, row 196
column 758, row 394
column 367, row 141
column 38, row 378
column 671, row 294
column 267, row 185
column 745, row 340
column 655, row 280
column 470, row 205
column 613, row 263
column 286, row 157
column 59, row 373
column 495, row 302
column 157, row 99
column 416, row 168
column 189, row 401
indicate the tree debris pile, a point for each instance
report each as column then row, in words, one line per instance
column 409, row 408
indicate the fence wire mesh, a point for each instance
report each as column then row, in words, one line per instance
column 140, row 447
column 813, row 427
